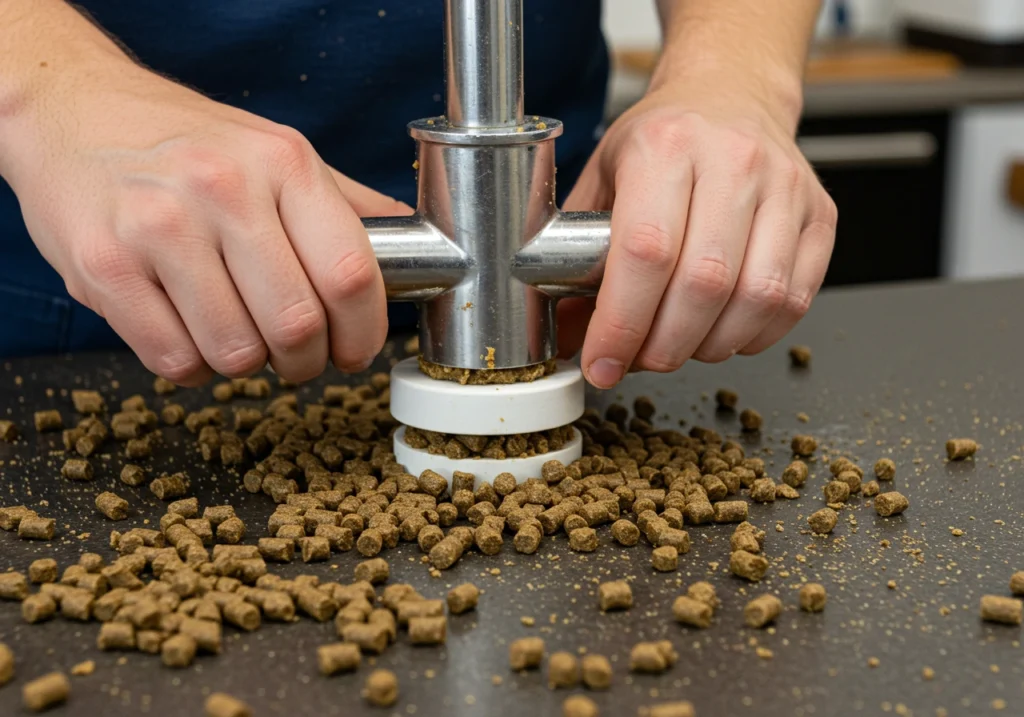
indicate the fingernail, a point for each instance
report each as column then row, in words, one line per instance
column 605, row 372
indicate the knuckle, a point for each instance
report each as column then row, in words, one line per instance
column 217, row 177
column 147, row 216
column 830, row 212
column 297, row 326
column 665, row 133
column 180, row 366
column 746, row 153
column 769, row 293
column 708, row 280
column 713, row 354
column 790, row 174
column 290, row 152
column 108, row 264
column 240, row 358
column 659, row 361
column 650, row 245
column 798, row 303
column 622, row 329
column 353, row 275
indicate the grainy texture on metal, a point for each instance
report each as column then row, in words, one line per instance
column 895, row 372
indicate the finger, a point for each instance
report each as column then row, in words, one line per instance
column 648, row 222
column 573, row 319
column 589, row 194
column 721, row 212
column 764, row 278
column 335, row 252
column 813, row 254
column 197, row 282
column 279, row 296
column 367, row 202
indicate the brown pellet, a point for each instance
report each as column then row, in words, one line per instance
column 615, row 595
column 6, row 664
column 803, row 445
column 731, row 511
column 242, row 615
column 527, row 540
column 13, row 586
column 800, row 356
column 338, row 657
column 957, row 449
column 178, row 651
column 596, row 672
column 46, row 692
column 583, row 540
column 77, row 469
column 526, row 653
column 280, row 607
column 381, row 688
column 748, row 565
column 763, row 491
column 38, row 607
column 692, row 612
column 1017, row 583
column 871, row 488
column 823, row 521
column 373, row 571
column 996, row 608
column 116, row 636
column 836, row 491
column 885, row 469
column 278, row 550
column 35, row 528
column 169, row 487
column 217, row 514
column 113, row 506
column 795, row 474
column 8, row 431
column 463, row 598
column 409, row 609
column 220, row 704
column 231, row 531
column 665, row 559
column 705, row 593
column 133, row 475
column 563, row 670
column 48, row 421
column 648, row 657
column 11, row 517
column 889, row 504
column 762, row 610
column 370, row 542
column 314, row 549
column 750, row 420
column 371, row 638
column 579, row 706
column 669, row 709
column 428, row 630
column 206, row 633
column 812, row 597
column 726, row 399
column 446, row 553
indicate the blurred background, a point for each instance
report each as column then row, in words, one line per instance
column 913, row 119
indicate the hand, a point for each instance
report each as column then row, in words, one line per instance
column 721, row 233
column 209, row 238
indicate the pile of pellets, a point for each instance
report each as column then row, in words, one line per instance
column 330, row 470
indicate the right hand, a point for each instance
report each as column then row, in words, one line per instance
column 211, row 240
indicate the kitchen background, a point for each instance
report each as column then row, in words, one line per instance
column 914, row 120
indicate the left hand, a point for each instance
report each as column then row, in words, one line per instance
column 721, row 232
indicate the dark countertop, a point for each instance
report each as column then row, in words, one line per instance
column 896, row 372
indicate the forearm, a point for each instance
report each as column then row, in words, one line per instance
column 761, row 45
column 48, row 46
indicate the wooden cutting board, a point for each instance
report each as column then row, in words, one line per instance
column 841, row 62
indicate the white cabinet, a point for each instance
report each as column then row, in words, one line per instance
column 984, row 235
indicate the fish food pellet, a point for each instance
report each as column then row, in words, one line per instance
column 957, row 449
column 800, row 356
column 315, row 549
column 279, row 606
column 35, row 528
column 43, row 570
column 116, row 636
column 6, row 664
column 446, row 553
column 428, row 630
column 526, row 653
column 750, row 420
column 596, row 671
column 278, row 550
column 795, row 474
column 77, row 469
column 669, row 709
column 763, row 491
column 762, row 610
column 871, row 488
column 488, row 539
column 178, row 651
column 45, row 692
column 579, row 706
column 996, row 608
column 418, row 607
column 370, row 542
column 38, row 608
column 885, row 469
column 373, row 571
column 206, row 633
column 1017, row 583
column 563, row 670
column 370, row 638
column 231, row 531
column 731, row 511
column 242, row 615
column 338, row 657
column 892, row 503
column 615, row 595
column 113, row 506
column 13, row 586
column 665, row 559
column 648, row 657
column 705, row 593
column 220, row 704
column 748, row 565
column 803, row 445
column 812, row 597
column 48, row 421
column 583, row 540
column 381, row 688
column 8, row 431
column 11, row 517
column 133, row 475
column 836, row 491
column 823, row 521
column 169, row 487
column 463, row 598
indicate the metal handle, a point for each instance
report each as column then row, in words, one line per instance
column 895, row 148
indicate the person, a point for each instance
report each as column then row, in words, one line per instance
column 190, row 177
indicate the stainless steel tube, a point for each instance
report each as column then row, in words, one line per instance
column 484, row 62
column 567, row 257
column 417, row 261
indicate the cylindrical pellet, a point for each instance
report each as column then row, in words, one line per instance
column 625, row 532
column 77, row 605
column 112, row 505
column 812, row 597
column 370, row 542
column 704, row 592
column 35, row 528
column 583, row 540
column 116, row 636
column 338, row 657
column 615, row 595
column 13, row 586
column 528, row 538
column 648, row 657
column 995, row 608
column 526, row 653
column 222, row 705
column 178, row 650
column 428, row 630
column 314, row 549
column 762, row 610
column 169, row 487
column 463, row 598
column 597, row 672
column 370, row 638
column 730, row 511
column 669, row 709
column 889, row 504
column 795, row 474
column 823, row 521
column 206, row 633
column 692, row 612
column 373, row 571
column 6, row 664
column 409, row 609
column 836, row 491
column 37, row 608
column 747, row 565
column 77, row 469
column 563, row 670
column 45, row 692
column 446, row 553
column 316, row 603
column 957, row 449
column 48, row 420
column 1017, row 583
column 579, row 706
column 381, row 688
column 242, row 615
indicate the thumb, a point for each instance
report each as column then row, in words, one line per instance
column 369, row 202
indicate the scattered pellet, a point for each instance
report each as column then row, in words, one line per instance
column 169, row 487
column 463, row 598
column 705, row 593
column 314, row 549
column 206, row 633
column 381, row 688
column 885, row 469
column 35, row 528
column 563, row 670
column 13, row 586
column 46, row 691
column 823, row 521
column 220, row 704
column 669, row 709
column 526, row 653
column 113, row 506
column 133, row 475
column 665, row 559
column 579, row 706
column 596, row 672
column 615, row 595
column 692, row 612
column 428, row 630
column 38, row 608
column 800, row 356
column 446, row 553
column 957, row 449
column 996, row 608
column 374, row 571
column 750, row 420
column 762, row 610
column 649, row 657
column 178, row 650
column 730, row 511
column 8, row 431
column 83, row 669
column 48, row 420
column 891, row 503
column 371, row 638
column 1017, row 583
column 870, row 489
column 77, row 469
column 795, row 474
column 812, row 597
column 338, row 657
column 231, row 531
column 748, row 565
column 116, row 636
column 6, row 664
column 278, row 550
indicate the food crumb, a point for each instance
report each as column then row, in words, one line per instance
column 83, row 669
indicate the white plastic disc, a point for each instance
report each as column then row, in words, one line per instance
column 448, row 407
column 417, row 460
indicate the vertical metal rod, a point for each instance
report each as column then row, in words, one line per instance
column 484, row 62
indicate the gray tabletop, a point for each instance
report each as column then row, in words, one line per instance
column 895, row 373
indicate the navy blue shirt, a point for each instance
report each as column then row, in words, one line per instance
column 348, row 74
